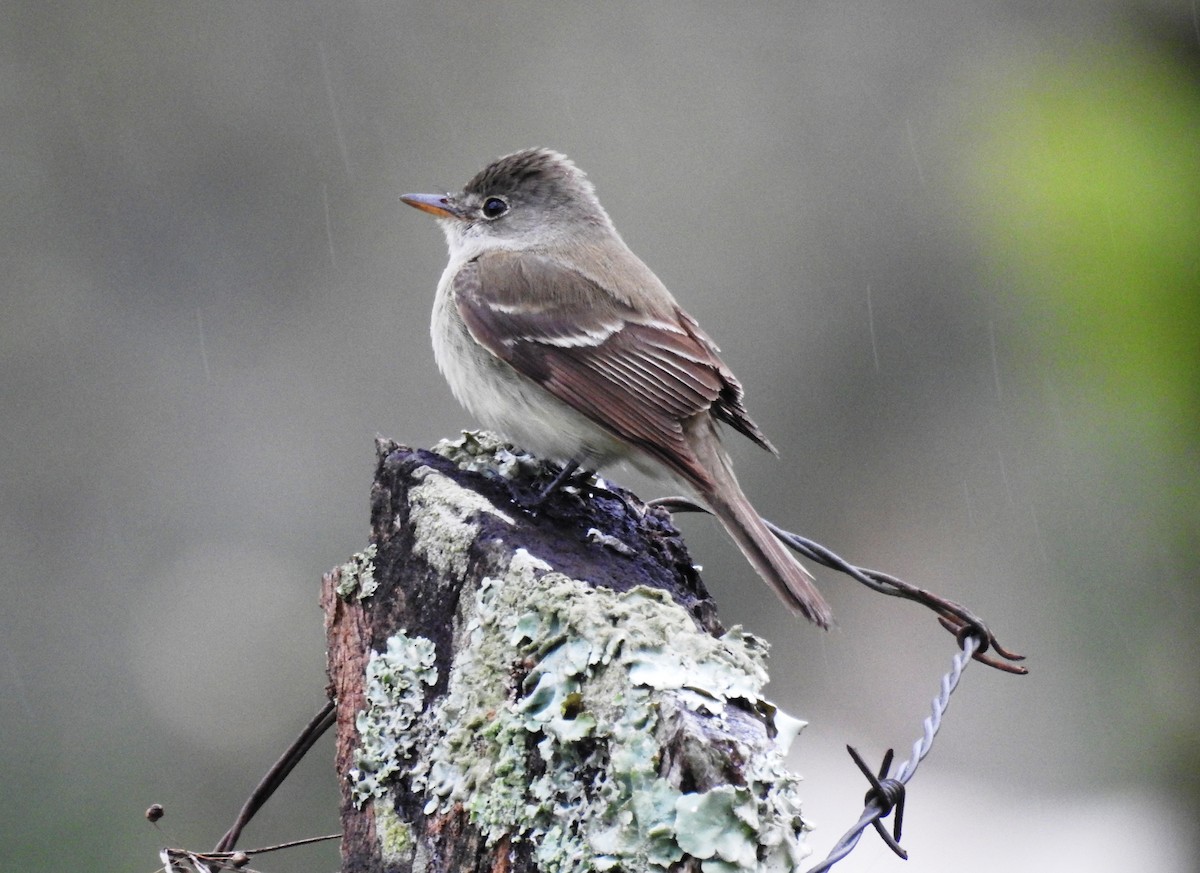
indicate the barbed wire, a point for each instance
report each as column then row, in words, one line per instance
column 954, row 617
column 888, row 792
column 184, row 861
column 321, row 722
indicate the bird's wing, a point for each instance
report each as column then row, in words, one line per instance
column 639, row 376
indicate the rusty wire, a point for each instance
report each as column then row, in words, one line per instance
column 954, row 617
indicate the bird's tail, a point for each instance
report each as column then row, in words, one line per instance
column 774, row 563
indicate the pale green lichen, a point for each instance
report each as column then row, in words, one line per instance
column 720, row 825
column 438, row 509
column 358, row 575
column 607, row 674
column 486, row 452
column 591, row 684
column 395, row 835
column 483, row 451
column 387, row 726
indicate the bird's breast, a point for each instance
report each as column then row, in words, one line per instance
column 503, row 400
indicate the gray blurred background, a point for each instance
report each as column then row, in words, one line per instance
column 951, row 249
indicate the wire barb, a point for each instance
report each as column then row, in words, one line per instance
column 184, row 861
column 888, row 792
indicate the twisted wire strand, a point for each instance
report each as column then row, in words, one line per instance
column 888, row 792
column 933, row 721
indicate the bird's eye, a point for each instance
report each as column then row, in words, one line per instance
column 494, row 207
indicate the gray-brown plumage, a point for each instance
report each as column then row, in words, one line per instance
column 550, row 330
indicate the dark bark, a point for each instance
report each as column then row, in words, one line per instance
column 524, row 691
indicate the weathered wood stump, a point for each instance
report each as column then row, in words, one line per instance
column 544, row 690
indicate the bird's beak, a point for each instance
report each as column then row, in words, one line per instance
column 437, row 205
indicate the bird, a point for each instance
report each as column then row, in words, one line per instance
column 551, row 331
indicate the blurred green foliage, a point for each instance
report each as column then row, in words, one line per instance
column 1086, row 188
column 1090, row 176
